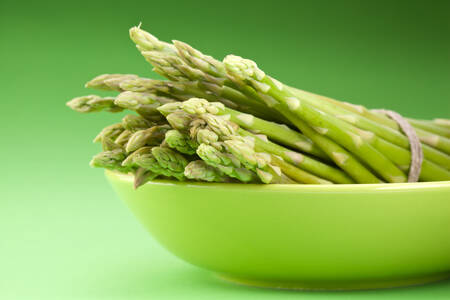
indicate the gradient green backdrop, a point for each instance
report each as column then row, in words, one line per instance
column 63, row 232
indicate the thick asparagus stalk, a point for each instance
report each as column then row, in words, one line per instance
column 134, row 123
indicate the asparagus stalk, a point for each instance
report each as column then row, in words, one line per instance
column 160, row 166
column 377, row 153
column 109, row 132
column 376, row 122
column 277, row 132
column 135, row 123
column 226, row 130
column 93, row 103
column 199, row 170
column 442, row 122
column 111, row 160
column 151, row 136
column 357, row 116
column 181, row 142
column 430, row 127
column 109, row 82
column 169, row 64
column 141, row 176
column 225, row 162
column 246, row 71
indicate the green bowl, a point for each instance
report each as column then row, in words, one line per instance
column 301, row 236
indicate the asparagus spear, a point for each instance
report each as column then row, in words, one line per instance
column 181, row 142
column 442, row 122
column 111, row 160
column 225, row 162
column 430, row 127
column 151, row 136
column 168, row 63
column 111, row 132
column 277, row 132
column 199, row 170
column 109, row 82
column 141, row 176
column 353, row 139
column 134, row 123
column 93, row 103
column 226, row 130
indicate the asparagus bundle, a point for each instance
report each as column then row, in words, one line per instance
column 227, row 121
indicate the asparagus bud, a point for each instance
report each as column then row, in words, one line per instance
column 135, row 123
column 111, row 132
column 93, row 103
column 181, row 142
column 109, row 82
column 199, row 170
column 150, row 136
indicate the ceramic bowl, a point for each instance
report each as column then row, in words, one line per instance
column 300, row 236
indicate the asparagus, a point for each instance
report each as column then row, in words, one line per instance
column 199, row 170
column 93, row 103
column 151, row 136
column 378, row 123
column 442, row 122
column 430, row 127
column 226, row 130
column 111, row 132
column 374, row 151
column 225, row 162
column 111, row 160
column 123, row 138
column 141, row 176
column 277, row 132
column 170, row 65
column 109, row 82
column 134, row 123
column 362, row 118
column 181, row 142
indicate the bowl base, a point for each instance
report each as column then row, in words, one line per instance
column 335, row 285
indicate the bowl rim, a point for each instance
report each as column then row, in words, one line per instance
column 291, row 187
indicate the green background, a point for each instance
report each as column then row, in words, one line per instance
column 63, row 232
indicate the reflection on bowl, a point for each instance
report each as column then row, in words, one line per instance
column 300, row 236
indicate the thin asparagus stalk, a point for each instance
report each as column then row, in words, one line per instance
column 93, row 103
column 430, row 127
column 199, row 170
column 442, row 122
